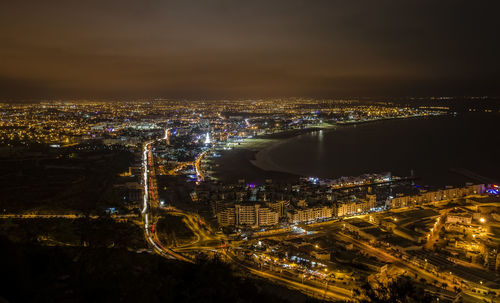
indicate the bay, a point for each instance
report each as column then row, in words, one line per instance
column 429, row 146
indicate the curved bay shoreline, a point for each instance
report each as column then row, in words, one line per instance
column 255, row 159
column 252, row 158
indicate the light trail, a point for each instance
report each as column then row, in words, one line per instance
column 145, row 176
column 199, row 175
column 158, row 248
column 336, row 293
column 201, row 236
column 65, row 216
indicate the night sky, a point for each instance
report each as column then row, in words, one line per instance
column 239, row 49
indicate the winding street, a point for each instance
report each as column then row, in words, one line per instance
column 203, row 238
column 150, row 190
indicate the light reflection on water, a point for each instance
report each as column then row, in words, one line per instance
column 429, row 146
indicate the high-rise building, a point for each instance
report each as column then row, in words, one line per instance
column 267, row 217
column 247, row 215
column 280, row 207
column 309, row 214
column 227, row 217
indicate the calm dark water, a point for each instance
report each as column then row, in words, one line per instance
column 430, row 146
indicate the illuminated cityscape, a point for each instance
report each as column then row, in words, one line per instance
column 249, row 152
column 322, row 237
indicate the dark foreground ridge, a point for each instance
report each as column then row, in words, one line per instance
column 55, row 274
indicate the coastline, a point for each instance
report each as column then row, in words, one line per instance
column 263, row 156
column 251, row 159
column 264, row 145
column 263, row 159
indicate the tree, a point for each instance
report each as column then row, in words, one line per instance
column 401, row 290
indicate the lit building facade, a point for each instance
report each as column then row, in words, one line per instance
column 309, row 214
column 253, row 216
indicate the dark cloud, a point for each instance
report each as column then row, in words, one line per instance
column 248, row 48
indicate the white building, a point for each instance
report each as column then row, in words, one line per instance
column 253, row 216
column 309, row 214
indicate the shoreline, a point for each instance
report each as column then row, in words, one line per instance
column 263, row 159
column 256, row 153
column 241, row 162
column 263, row 145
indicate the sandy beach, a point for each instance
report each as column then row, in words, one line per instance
column 263, row 157
column 250, row 159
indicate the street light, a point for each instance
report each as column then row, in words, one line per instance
column 482, row 220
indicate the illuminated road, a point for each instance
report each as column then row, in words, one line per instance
column 150, row 200
column 204, row 239
column 63, row 216
column 207, row 241
column 199, row 174
column 399, row 262
column 35, row 216
column 332, row 293
column 180, row 166
column 150, row 191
